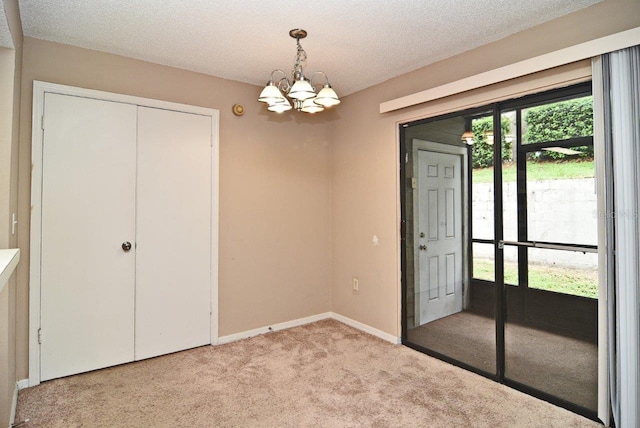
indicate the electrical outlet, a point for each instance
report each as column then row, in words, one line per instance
column 355, row 283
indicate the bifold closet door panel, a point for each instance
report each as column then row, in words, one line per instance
column 88, row 211
column 173, row 265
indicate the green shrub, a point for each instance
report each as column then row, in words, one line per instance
column 482, row 151
column 560, row 121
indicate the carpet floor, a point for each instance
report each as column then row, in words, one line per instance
column 561, row 366
column 324, row 374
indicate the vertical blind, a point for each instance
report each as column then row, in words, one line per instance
column 621, row 111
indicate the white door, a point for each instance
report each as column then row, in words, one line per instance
column 438, row 244
column 88, row 211
column 173, row 274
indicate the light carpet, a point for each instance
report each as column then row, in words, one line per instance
column 561, row 366
column 324, row 374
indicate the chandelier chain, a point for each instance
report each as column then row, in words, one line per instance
column 301, row 60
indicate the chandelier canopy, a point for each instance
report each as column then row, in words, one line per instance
column 297, row 87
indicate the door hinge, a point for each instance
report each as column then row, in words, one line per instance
column 40, row 336
column 414, row 183
column 42, row 122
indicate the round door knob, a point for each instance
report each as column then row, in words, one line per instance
column 126, row 246
column 423, row 247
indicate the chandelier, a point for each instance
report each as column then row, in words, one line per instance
column 297, row 87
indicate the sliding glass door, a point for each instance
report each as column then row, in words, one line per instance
column 527, row 311
column 442, row 314
column 550, row 253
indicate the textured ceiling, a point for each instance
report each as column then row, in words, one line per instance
column 5, row 35
column 358, row 43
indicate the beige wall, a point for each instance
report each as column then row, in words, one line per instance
column 365, row 155
column 7, row 375
column 7, row 67
column 10, row 76
column 275, row 186
column 13, row 17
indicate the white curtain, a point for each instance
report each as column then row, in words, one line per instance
column 621, row 119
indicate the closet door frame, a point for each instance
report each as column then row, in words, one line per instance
column 37, row 135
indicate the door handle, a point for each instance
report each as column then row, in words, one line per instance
column 126, row 246
column 423, row 247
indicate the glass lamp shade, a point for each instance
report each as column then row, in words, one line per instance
column 467, row 138
column 271, row 94
column 327, row 97
column 310, row 106
column 489, row 135
column 280, row 106
column 302, row 90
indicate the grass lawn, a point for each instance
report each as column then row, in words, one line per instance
column 539, row 171
column 578, row 282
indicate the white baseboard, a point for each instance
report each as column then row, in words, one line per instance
column 14, row 406
column 301, row 321
column 275, row 327
column 366, row 328
column 21, row 384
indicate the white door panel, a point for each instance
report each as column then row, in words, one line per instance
column 173, row 276
column 438, row 246
column 88, row 211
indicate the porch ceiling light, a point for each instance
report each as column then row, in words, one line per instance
column 563, row 150
column 467, row 138
column 489, row 135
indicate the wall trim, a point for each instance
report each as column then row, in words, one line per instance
column 37, row 135
column 274, row 327
column 14, row 405
column 578, row 52
column 21, row 384
column 366, row 328
column 307, row 320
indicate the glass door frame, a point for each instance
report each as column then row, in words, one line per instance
column 498, row 242
column 405, row 182
column 523, row 243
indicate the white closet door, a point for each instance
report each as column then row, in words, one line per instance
column 88, row 211
column 173, row 267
